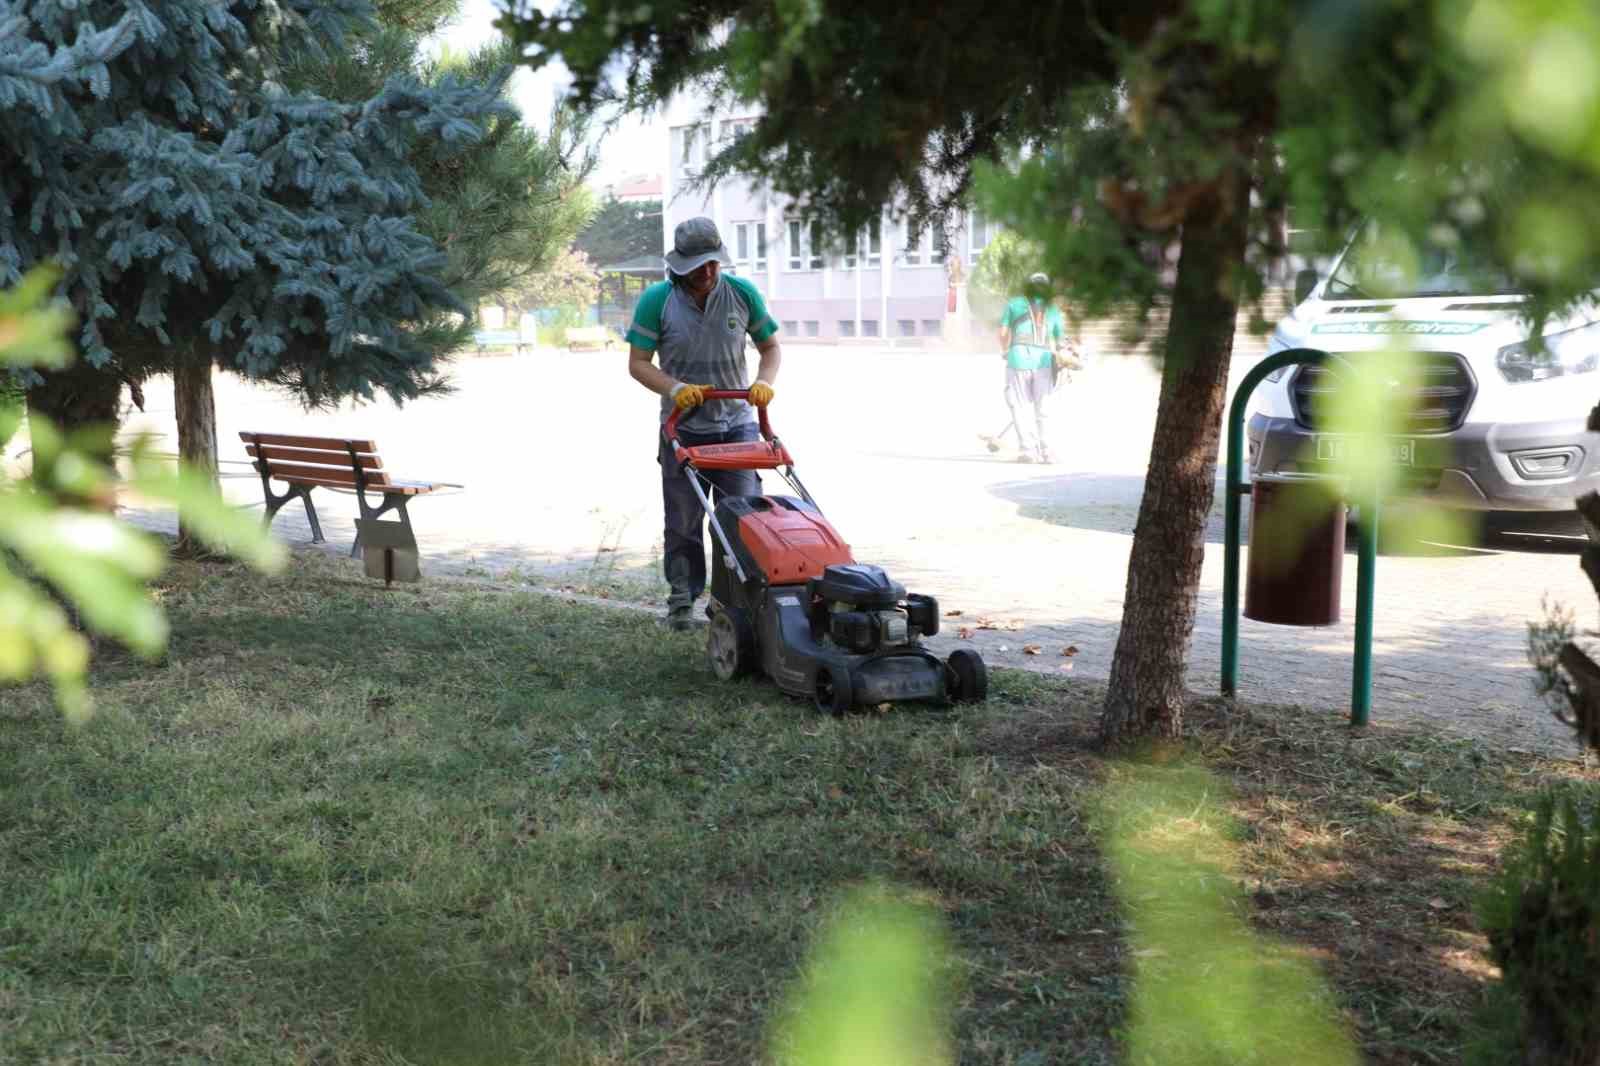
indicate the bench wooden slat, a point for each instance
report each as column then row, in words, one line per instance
column 411, row 488
column 386, row 490
column 307, row 455
column 325, row 444
column 325, row 474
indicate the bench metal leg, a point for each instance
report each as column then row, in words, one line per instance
column 275, row 502
column 311, row 516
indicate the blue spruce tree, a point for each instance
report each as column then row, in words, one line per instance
column 205, row 213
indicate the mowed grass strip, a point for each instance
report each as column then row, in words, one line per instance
column 455, row 823
column 440, row 824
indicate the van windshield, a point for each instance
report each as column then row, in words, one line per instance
column 1371, row 271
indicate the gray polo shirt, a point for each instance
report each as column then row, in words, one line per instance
column 704, row 347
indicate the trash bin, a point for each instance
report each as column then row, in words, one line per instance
column 1296, row 549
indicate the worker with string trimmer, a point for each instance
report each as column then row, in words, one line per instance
column 1039, row 356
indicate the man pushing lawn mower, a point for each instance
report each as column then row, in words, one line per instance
column 697, row 322
column 787, row 597
column 789, row 600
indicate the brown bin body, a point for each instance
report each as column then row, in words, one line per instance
column 1296, row 550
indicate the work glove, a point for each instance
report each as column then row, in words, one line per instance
column 686, row 396
column 760, row 394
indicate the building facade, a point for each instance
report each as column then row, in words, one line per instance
column 888, row 283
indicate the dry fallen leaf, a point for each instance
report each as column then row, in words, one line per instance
column 952, row 614
column 835, row 793
column 1070, row 650
column 1031, row 649
column 966, row 633
column 884, row 708
column 1438, row 904
column 990, row 623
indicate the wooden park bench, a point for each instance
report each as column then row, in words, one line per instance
column 306, row 463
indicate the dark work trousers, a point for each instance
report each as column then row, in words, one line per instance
column 683, row 542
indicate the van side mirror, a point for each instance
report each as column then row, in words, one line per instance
column 1304, row 282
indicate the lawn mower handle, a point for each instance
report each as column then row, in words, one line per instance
column 671, row 428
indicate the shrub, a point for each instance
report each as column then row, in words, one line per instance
column 1542, row 916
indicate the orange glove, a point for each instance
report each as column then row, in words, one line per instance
column 760, row 394
column 687, row 396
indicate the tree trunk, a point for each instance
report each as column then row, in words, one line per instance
column 1147, row 687
column 195, row 405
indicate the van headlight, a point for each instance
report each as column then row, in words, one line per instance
column 1576, row 351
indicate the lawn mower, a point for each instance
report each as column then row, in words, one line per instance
column 788, row 598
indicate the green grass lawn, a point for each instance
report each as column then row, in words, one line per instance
column 460, row 824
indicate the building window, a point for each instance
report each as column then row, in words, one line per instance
column 869, row 327
column 805, row 245
column 791, row 327
column 691, row 142
column 734, row 128
column 908, row 327
column 936, row 248
column 875, row 242
column 750, row 245
column 813, row 327
column 850, row 248
column 932, row 327
column 911, row 244
column 847, row 327
column 978, row 233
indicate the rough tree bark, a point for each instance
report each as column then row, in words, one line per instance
column 1147, row 686
column 195, row 407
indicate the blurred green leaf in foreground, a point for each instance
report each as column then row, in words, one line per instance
column 58, row 527
column 1207, row 989
column 875, row 991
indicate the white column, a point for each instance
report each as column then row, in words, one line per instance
column 886, row 251
column 774, row 235
column 861, row 268
column 718, row 215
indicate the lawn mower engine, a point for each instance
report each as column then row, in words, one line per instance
column 816, row 621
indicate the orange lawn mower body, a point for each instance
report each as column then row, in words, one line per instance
column 789, row 599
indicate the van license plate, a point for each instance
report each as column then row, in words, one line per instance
column 1402, row 451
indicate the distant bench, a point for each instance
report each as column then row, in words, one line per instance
column 584, row 337
column 306, row 463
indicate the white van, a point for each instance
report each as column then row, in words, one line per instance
column 1498, row 425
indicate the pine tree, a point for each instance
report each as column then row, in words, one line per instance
column 622, row 230
column 501, row 209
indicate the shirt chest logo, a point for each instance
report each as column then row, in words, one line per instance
column 733, row 323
